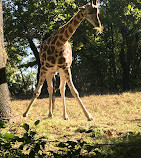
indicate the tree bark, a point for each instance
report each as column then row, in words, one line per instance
column 124, row 62
column 5, row 107
column 36, row 54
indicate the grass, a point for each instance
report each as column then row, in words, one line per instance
column 114, row 115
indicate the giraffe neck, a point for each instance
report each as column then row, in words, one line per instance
column 66, row 31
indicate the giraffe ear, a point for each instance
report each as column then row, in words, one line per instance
column 82, row 8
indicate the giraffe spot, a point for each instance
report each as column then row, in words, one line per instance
column 70, row 29
column 62, row 67
column 58, row 44
column 61, row 53
column 45, row 48
column 41, row 47
column 66, row 34
column 41, row 51
column 44, row 68
column 49, row 51
column 62, row 30
column 41, row 74
column 56, row 52
column 48, row 65
column 54, row 40
column 82, row 14
column 71, row 21
column 52, row 48
column 61, row 60
column 78, row 16
column 41, row 80
column 51, row 59
column 66, row 72
column 62, row 38
column 48, row 40
column 42, row 63
column 44, row 57
column 76, row 22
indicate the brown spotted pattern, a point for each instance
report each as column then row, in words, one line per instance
column 56, row 56
column 56, row 51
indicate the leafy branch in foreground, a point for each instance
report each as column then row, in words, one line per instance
column 29, row 146
column 25, row 146
column 128, row 145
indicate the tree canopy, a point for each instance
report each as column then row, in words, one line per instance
column 105, row 62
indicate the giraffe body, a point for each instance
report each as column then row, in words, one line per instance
column 56, row 57
column 56, row 52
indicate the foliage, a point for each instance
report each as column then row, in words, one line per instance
column 127, row 144
column 112, row 58
column 104, row 62
column 28, row 145
column 25, row 146
column 26, row 21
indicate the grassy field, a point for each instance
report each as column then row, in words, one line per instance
column 115, row 116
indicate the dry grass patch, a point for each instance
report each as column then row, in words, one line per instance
column 111, row 112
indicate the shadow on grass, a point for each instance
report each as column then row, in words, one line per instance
column 69, row 95
column 129, row 147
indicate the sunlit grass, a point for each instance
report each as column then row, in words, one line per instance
column 117, row 113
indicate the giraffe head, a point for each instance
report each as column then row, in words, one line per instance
column 91, row 12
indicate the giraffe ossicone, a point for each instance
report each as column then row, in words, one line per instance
column 56, row 56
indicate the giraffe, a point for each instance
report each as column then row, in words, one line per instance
column 56, row 57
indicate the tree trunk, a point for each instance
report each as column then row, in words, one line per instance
column 112, row 62
column 5, row 107
column 124, row 62
column 36, row 54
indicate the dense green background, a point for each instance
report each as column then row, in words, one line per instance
column 107, row 62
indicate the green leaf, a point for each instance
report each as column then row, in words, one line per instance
column 129, row 6
column 32, row 133
column 8, row 136
column 26, row 126
column 2, row 124
column 36, row 122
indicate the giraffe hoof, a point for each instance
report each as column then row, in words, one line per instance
column 50, row 115
column 90, row 118
column 25, row 115
column 66, row 118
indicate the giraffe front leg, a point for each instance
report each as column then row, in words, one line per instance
column 62, row 92
column 36, row 93
column 76, row 94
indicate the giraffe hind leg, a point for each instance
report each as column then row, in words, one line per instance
column 62, row 92
column 76, row 94
column 54, row 80
column 49, row 77
column 36, row 93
